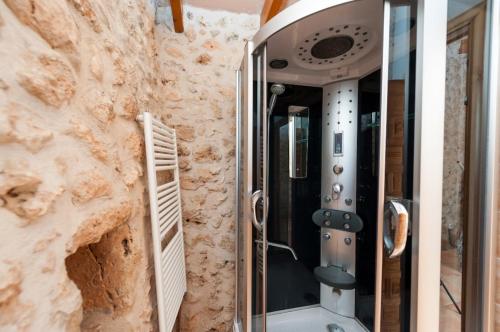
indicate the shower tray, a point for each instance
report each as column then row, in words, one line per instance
column 314, row 319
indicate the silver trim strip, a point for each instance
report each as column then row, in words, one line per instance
column 489, row 193
column 430, row 83
column 237, row 188
column 247, row 131
column 381, row 175
column 265, row 185
column 290, row 15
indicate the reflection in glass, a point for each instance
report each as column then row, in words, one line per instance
column 298, row 119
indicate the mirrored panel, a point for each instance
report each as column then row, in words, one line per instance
column 298, row 133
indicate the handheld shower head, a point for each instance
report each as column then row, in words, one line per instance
column 276, row 90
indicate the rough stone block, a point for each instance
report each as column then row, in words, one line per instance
column 18, row 125
column 185, row 133
column 204, row 59
column 130, row 108
column 91, row 230
column 50, row 18
column 89, row 185
column 48, row 78
column 86, row 9
column 19, row 193
column 84, row 133
column 207, row 153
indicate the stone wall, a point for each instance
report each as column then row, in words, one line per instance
column 454, row 145
column 199, row 75
column 75, row 231
column 73, row 76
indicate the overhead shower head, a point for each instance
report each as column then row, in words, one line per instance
column 277, row 89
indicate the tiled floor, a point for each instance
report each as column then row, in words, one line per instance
column 450, row 319
column 310, row 320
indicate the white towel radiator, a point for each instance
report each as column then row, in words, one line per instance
column 166, row 219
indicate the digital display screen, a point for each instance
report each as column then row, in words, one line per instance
column 338, row 143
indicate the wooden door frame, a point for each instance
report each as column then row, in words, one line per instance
column 471, row 24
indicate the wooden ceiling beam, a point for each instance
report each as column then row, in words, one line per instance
column 270, row 9
column 176, row 6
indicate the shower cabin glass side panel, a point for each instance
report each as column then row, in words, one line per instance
column 411, row 135
column 251, row 187
column 399, row 152
column 259, row 195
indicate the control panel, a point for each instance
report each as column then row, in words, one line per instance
column 338, row 146
column 337, row 217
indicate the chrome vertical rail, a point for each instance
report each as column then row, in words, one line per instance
column 247, row 174
column 292, row 148
column 430, row 82
column 237, row 192
column 381, row 169
column 265, row 185
column 489, row 193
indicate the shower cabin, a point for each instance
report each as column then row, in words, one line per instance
column 339, row 158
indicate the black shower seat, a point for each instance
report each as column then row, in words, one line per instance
column 335, row 277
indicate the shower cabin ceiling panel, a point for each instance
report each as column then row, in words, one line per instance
column 340, row 43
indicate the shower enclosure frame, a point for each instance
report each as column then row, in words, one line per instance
column 428, row 155
column 490, row 167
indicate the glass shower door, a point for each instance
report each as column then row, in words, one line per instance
column 259, row 197
column 410, row 167
column 251, row 188
column 399, row 84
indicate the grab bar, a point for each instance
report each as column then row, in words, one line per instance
column 281, row 246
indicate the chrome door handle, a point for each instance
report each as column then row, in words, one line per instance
column 256, row 196
column 395, row 228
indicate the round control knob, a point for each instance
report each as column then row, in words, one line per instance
column 338, row 169
column 348, row 241
column 327, row 236
column 337, row 188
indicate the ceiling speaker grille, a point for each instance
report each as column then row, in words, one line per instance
column 332, row 47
